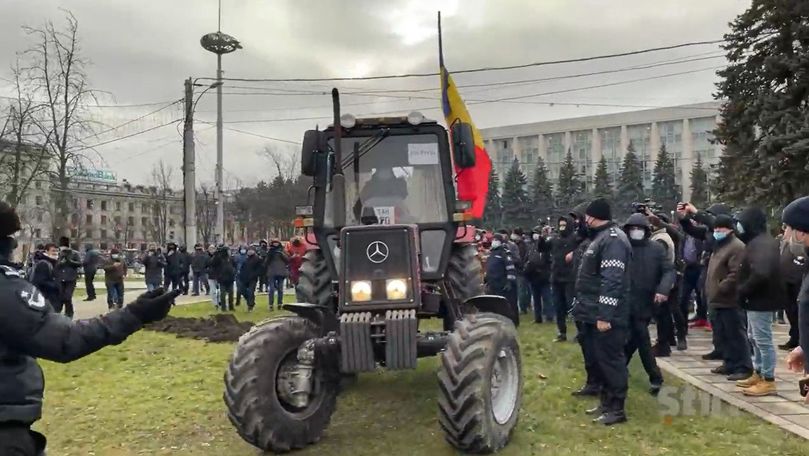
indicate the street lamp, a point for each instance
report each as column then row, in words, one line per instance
column 219, row 43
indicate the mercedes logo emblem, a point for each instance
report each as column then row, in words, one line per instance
column 377, row 252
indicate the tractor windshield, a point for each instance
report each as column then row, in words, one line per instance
column 394, row 179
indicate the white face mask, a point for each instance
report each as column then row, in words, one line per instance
column 496, row 244
column 514, row 237
column 636, row 234
column 536, row 236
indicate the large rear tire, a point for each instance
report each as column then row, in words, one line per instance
column 480, row 383
column 255, row 383
column 314, row 283
column 465, row 272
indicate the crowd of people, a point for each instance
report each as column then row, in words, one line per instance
column 723, row 268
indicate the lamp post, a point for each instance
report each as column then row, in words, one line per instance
column 219, row 43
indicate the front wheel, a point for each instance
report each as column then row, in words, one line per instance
column 260, row 393
column 480, row 383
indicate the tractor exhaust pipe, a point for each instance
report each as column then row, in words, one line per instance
column 338, row 179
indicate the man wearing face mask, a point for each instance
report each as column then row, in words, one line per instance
column 67, row 270
column 501, row 276
column 239, row 259
column 562, row 280
column 723, row 299
column 651, row 280
column 796, row 219
column 601, row 308
column 30, row 330
column 153, row 264
column 248, row 275
column 538, row 274
column 199, row 265
column 174, row 267
column 517, row 238
column 44, row 274
column 663, row 312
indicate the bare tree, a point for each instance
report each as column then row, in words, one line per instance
column 24, row 157
column 206, row 213
column 161, row 189
column 58, row 75
column 285, row 159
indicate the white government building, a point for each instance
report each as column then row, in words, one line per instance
column 685, row 130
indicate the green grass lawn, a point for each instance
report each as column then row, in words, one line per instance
column 157, row 394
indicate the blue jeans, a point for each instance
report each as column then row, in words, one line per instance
column 200, row 281
column 153, row 285
column 759, row 330
column 213, row 285
column 275, row 285
column 523, row 294
column 115, row 294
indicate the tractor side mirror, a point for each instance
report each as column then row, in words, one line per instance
column 311, row 145
column 463, row 145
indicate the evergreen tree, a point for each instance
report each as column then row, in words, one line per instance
column 601, row 181
column 541, row 192
column 664, row 187
column 630, row 184
column 764, row 125
column 699, row 184
column 493, row 213
column 516, row 204
column 569, row 191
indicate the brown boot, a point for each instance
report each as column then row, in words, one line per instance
column 749, row 381
column 762, row 388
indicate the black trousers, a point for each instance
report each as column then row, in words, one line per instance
column 731, row 331
column 562, row 301
column 226, row 292
column 640, row 341
column 690, row 284
column 669, row 319
column 184, row 282
column 66, row 297
column 89, row 275
column 609, row 366
column 589, row 355
column 173, row 282
column 20, row 440
column 792, row 312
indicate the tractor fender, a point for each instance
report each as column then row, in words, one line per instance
column 322, row 316
column 494, row 304
column 465, row 234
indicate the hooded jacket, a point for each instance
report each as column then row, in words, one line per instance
column 44, row 277
column 153, row 264
column 721, row 278
column 538, row 265
column 200, row 261
column 760, row 283
column 560, row 245
column 650, row 271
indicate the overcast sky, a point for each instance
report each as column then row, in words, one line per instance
column 142, row 51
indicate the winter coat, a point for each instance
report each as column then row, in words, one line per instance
column 602, row 282
column 44, row 278
column 251, row 269
column 697, row 246
column 209, row 270
column 500, row 271
column 223, row 267
column 239, row 260
column 91, row 260
column 560, row 246
column 662, row 237
column 186, row 261
column 175, row 263
column 650, row 273
column 296, row 253
column 538, row 264
column 114, row 271
column 514, row 251
column 276, row 263
column 153, row 264
column 67, row 267
column 199, row 262
column 721, row 276
column 760, row 282
column 792, row 266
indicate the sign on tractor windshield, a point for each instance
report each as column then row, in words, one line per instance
column 385, row 215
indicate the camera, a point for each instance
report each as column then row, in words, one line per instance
column 647, row 204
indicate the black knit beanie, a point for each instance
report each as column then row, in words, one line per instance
column 599, row 209
column 724, row 221
column 796, row 214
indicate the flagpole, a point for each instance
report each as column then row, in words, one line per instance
column 440, row 44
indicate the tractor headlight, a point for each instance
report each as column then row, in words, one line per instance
column 396, row 289
column 360, row 290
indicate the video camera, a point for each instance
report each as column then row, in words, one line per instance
column 647, row 204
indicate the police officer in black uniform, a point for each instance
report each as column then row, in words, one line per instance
column 602, row 284
column 31, row 329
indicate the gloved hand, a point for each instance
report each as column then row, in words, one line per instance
column 153, row 305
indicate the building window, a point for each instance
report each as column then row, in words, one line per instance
column 103, row 205
column 103, row 219
column 130, row 221
column 74, row 218
column 529, row 151
column 117, row 205
column 171, row 234
column 144, row 221
column 89, row 219
column 171, row 222
column 555, row 151
column 74, row 233
column 103, row 246
column 88, row 234
column 131, row 207
column 103, row 234
column 75, row 203
column 145, row 208
column 39, row 216
column 38, row 184
column 117, row 235
column 89, row 204
column 38, row 233
column 117, row 219
column 38, row 200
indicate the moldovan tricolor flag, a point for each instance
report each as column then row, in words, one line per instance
column 473, row 183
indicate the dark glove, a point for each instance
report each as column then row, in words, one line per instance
column 153, row 305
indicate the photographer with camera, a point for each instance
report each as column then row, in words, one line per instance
column 670, row 316
column 67, row 272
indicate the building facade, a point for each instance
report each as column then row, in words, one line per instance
column 684, row 130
